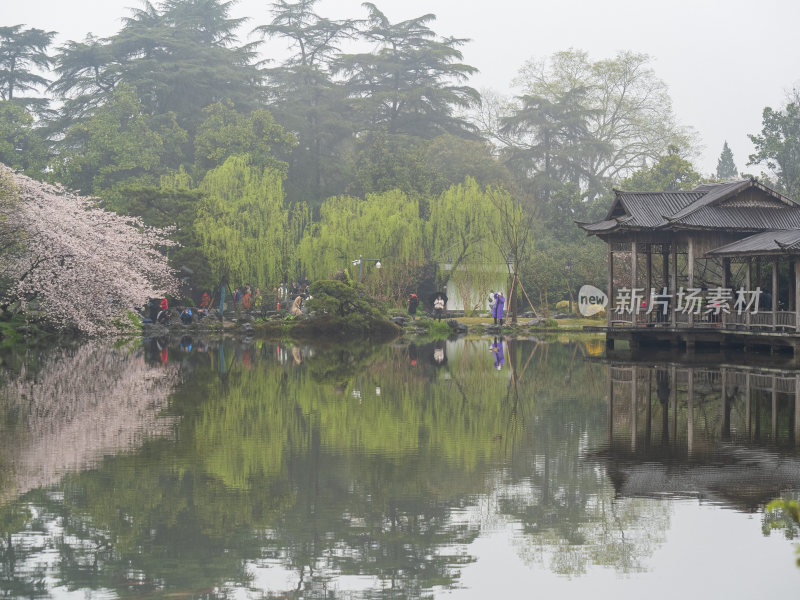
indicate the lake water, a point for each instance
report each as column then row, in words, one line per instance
column 474, row 468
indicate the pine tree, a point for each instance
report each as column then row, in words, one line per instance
column 726, row 168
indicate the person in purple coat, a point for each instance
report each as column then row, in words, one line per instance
column 497, row 309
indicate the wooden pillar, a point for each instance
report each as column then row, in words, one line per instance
column 649, row 275
column 726, row 282
column 797, row 410
column 747, row 286
column 726, row 273
column 610, row 287
column 690, row 272
column 724, row 402
column 774, row 411
column 674, row 282
column 634, row 265
column 648, row 409
column 633, row 409
column 774, row 293
column 673, row 401
column 796, row 294
column 610, row 394
column 747, row 404
column 690, row 413
column 758, row 271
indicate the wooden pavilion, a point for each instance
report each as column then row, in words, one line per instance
column 672, row 255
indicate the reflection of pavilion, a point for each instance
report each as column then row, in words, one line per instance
column 725, row 432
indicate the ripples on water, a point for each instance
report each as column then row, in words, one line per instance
column 468, row 468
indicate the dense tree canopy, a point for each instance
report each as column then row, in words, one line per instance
column 22, row 144
column 670, row 172
column 179, row 56
column 778, row 147
column 358, row 142
column 412, row 83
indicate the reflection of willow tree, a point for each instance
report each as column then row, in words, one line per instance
column 783, row 514
column 565, row 504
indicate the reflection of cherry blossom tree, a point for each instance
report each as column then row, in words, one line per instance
column 81, row 266
column 81, row 405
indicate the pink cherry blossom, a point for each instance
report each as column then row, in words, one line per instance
column 82, row 267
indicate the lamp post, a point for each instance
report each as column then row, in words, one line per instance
column 568, row 269
column 359, row 262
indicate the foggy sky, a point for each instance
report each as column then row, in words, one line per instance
column 723, row 60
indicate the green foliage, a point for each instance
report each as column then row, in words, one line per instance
column 226, row 132
column 628, row 111
column 452, row 159
column 171, row 207
column 387, row 162
column 461, row 226
column 12, row 236
column 553, row 131
column 305, row 99
column 784, row 514
column 23, row 56
column 340, row 309
column 117, row 144
column 778, row 147
column 241, row 223
column 412, row 83
column 726, row 168
column 439, row 330
column 179, row 57
column 385, row 226
column 338, row 299
column 22, row 145
column 670, row 172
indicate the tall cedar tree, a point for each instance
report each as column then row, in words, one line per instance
column 23, row 54
column 726, row 168
column 304, row 98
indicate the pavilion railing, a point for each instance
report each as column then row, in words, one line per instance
column 782, row 320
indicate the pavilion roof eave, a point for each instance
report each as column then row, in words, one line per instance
column 753, row 253
column 765, row 243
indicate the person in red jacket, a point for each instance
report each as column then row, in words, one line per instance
column 162, row 316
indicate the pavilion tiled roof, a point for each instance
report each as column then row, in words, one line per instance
column 766, row 242
column 708, row 206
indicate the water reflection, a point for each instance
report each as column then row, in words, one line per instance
column 279, row 469
column 726, row 433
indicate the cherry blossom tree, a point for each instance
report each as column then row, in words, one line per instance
column 80, row 267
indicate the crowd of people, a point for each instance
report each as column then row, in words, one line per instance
column 292, row 298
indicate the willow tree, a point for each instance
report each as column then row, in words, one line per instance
column 460, row 233
column 241, row 222
column 385, row 226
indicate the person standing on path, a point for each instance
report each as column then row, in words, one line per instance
column 438, row 307
column 413, row 303
column 498, row 308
